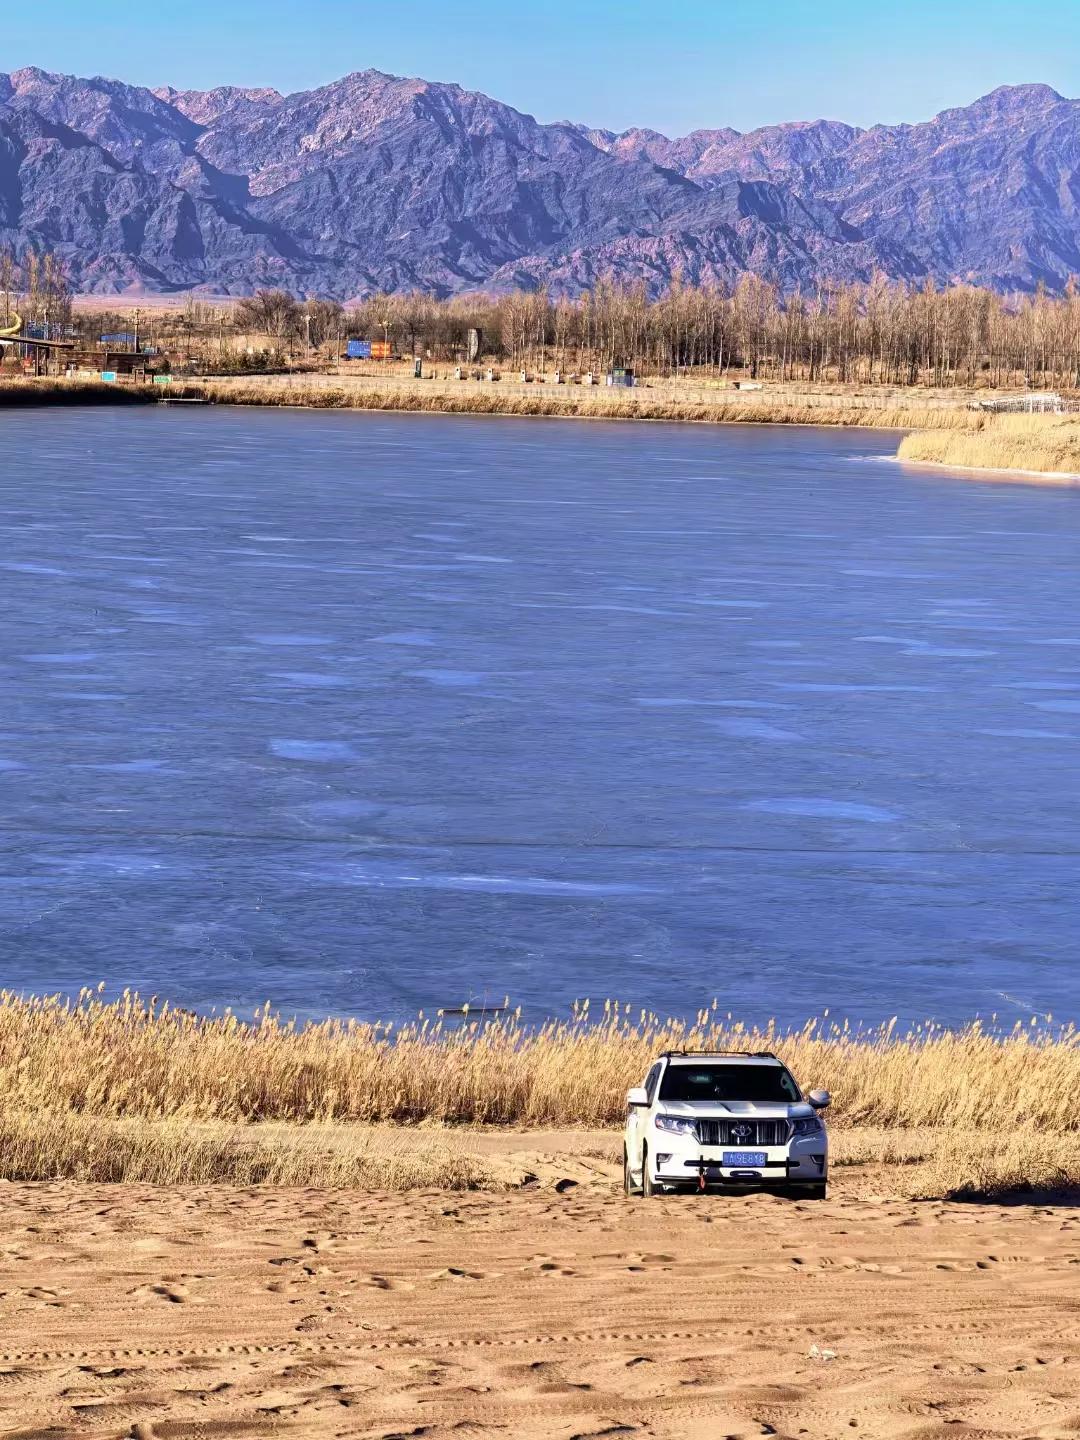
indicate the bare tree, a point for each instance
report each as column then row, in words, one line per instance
column 269, row 312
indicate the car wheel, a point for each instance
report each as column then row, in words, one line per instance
column 808, row 1192
column 647, row 1186
column 629, row 1188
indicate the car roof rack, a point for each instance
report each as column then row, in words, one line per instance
column 750, row 1054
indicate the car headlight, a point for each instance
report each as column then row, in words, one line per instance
column 809, row 1125
column 676, row 1124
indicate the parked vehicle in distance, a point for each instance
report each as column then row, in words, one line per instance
column 724, row 1120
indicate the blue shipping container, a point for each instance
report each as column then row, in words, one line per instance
column 124, row 337
column 358, row 350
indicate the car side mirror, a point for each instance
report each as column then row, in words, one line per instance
column 638, row 1096
column 819, row 1099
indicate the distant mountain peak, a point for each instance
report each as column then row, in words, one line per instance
column 1007, row 101
column 32, row 75
column 385, row 182
column 1036, row 93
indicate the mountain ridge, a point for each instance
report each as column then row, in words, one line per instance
column 383, row 182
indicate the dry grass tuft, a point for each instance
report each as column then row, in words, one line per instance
column 943, row 1163
column 1020, row 1165
column 1047, row 444
column 67, row 1146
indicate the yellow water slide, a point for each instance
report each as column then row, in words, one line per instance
column 11, row 330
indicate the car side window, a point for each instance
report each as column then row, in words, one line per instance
column 652, row 1080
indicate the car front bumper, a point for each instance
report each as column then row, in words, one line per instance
column 690, row 1164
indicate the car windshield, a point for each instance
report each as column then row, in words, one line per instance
column 728, row 1082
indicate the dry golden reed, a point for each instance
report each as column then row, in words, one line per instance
column 137, row 1091
column 69, row 1146
column 29, row 391
column 136, row 1058
column 569, row 403
column 1047, row 444
column 565, row 403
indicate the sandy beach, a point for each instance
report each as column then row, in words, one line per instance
column 559, row 1309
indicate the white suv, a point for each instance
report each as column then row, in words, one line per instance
column 707, row 1120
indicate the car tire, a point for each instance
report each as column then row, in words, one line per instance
column 648, row 1189
column 629, row 1188
column 809, row 1192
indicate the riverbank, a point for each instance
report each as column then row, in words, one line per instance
column 858, row 407
column 940, row 432
column 692, row 404
column 134, row 1091
column 1033, row 444
column 24, row 392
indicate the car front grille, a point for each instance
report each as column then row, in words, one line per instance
column 762, row 1132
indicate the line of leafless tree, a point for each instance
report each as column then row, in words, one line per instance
column 875, row 333
column 880, row 332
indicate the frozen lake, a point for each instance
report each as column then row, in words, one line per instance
column 363, row 714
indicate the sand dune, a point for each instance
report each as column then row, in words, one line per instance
column 558, row 1310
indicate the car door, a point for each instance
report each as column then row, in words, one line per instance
column 638, row 1118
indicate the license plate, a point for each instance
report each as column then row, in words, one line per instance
column 744, row 1159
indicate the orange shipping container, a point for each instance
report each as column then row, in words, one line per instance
column 380, row 350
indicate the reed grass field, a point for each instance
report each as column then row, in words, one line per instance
column 860, row 408
column 567, row 403
column 23, row 391
column 135, row 1088
column 1046, row 444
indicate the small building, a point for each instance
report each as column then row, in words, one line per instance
column 620, row 375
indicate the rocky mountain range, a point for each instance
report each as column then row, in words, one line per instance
column 382, row 183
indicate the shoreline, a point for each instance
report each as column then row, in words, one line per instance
column 570, row 405
column 1015, row 445
column 944, row 437
column 567, row 405
column 1066, row 479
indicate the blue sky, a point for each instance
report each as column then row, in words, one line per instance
column 674, row 67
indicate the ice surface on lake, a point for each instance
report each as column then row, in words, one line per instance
column 320, row 750
column 366, row 713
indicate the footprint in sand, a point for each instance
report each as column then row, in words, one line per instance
column 454, row 1272
column 321, row 1240
column 546, row 1265
column 43, row 1294
column 636, row 1264
column 174, row 1291
column 384, row 1282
